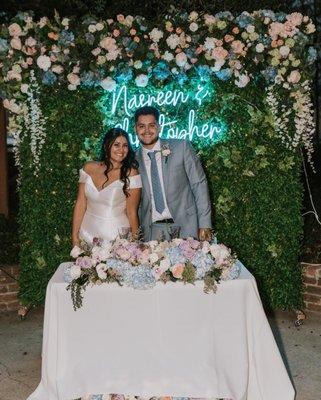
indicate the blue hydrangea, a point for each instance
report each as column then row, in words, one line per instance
column 204, row 72
column 175, row 255
column 224, row 74
column 161, row 71
column 49, row 78
column 131, row 46
column 66, row 274
column 243, row 19
column 124, row 75
column 312, row 55
column 268, row 14
column 203, row 263
column 66, row 37
column 97, row 397
column 234, row 271
column 88, row 78
column 181, row 78
column 270, row 73
column 280, row 16
column 140, row 277
column 90, row 38
column 4, row 47
column 225, row 15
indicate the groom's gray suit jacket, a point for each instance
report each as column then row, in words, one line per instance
column 186, row 189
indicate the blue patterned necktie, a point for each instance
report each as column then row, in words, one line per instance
column 156, row 184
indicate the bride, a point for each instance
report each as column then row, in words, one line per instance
column 109, row 192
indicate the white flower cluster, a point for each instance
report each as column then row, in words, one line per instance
column 35, row 122
column 303, row 118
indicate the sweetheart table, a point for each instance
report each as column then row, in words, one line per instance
column 172, row 340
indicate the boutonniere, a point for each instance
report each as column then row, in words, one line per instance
column 166, row 151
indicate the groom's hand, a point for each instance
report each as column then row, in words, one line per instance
column 205, row 234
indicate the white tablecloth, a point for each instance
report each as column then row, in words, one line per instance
column 172, row 340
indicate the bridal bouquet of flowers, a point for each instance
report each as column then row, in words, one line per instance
column 141, row 265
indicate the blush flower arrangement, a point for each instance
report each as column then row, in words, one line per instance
column 140, row 265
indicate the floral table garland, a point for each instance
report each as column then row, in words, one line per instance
column 141, row 265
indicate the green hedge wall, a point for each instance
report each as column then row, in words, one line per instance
column 254, row 182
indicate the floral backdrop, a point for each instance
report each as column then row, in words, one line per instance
column 261, row 63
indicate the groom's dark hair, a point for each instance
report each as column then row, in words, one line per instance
column 147, row 110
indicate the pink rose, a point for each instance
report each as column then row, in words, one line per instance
column 116, row 32
column 108, row 43
column 228, row 38
column 16, row 43
column 30, row 42
column 219, row 53
column 73, row 79
column 294, row 76
column 177, row 271
column 120, row 18
column 15, row 30
column 29, row 61
column 295, row 18
column 237, row 46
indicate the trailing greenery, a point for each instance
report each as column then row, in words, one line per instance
column 46, row 201
column 254, row 182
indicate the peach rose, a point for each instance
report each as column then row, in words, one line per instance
column 53, row 35
column 15, row 30
column 235, row 30
column 237, row 46
column 177, row 271
column 30, row 42
column 228, row 38
column 294, row 76
column 219, row 53
column 73, row 79
column 16, row 43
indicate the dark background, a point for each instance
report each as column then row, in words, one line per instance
column 155, row 10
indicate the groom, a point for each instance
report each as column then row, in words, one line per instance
column 175, row 192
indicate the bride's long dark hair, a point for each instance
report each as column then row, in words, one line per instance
column 128, row 163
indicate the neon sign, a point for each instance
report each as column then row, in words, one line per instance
column 179, row 118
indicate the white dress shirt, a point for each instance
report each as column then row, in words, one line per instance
column 156, row 216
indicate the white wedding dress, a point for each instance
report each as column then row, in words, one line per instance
column 105, row 214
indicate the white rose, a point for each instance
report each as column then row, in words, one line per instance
column 193, row 27
column 57, row 69
column 259, row 48
column 141, row 80
column 76, row 251
column 96, row 51
column 167, row 56
column 156, row 34
column 165, row 264
column 99, row 26
column 108, row 84
column 284, row 51
column 172, row 41
column 101, row 253
column 44, row 62
column 72, row 87
column 65, row 22
column 219, row 251
column 73, row 79
column 250, row 28
column 92, row 28
column 242, row 81
column 75, row 271
column 101, row 60
column 181, row 59
column 209, row 43
column 24, row 88
column 101, row 270
column 30, row 42
column 153, row 258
